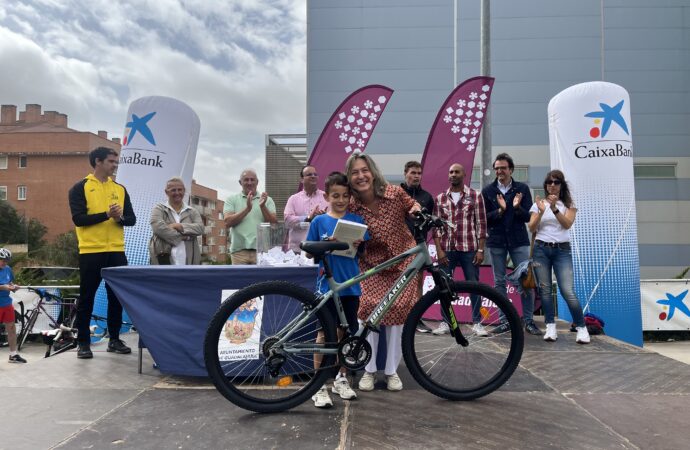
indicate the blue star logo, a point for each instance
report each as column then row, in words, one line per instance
column 139, row 125
column 673, row 302
column 610, row 114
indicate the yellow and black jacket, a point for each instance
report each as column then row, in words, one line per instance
column 89, row 201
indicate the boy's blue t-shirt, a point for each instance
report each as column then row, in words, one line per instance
column 343, row 268
column 6, row 277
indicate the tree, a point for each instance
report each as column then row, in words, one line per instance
column 35, row 232
column 11, row 226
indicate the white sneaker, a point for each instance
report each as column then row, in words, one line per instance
column 582, row 335
column 479, row 330
column 442, row 328
column 550, row 335
column 366, row 383
column 343, row 389
column 322, row 399
column 393, row 382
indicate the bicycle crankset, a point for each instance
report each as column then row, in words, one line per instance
column 354, row 352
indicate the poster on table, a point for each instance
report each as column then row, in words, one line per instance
column 159, row 142
column 590, row 139
column 241, row 337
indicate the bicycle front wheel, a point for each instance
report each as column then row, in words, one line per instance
column 244, row 360
column 446, row 368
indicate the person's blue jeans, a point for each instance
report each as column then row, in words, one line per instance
column 560, row 260
column 498, row 264
column 471, row 273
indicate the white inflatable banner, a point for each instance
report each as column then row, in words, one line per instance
column 159, row 142
column 590, row 139
column 665, row 305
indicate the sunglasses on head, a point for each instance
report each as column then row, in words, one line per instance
column 556, row 182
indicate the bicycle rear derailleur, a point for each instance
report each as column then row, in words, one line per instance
column 354, row 352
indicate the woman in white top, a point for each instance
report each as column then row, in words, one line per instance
column 550, row 219
column 176, row 227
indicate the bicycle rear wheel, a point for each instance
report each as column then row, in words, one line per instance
column 239, row 347
column 449, row 370
column 27, row 328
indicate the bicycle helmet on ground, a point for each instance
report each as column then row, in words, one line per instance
column 5, row 254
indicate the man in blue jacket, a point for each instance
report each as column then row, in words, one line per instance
column 507, row 204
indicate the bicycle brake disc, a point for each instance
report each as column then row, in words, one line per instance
column 354, row 352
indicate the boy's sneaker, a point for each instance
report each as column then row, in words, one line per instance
column 322, row 399
column 17, row 359
column 84, row 351
column 442, row 328
column 118, row 346
column 582, row 335
column 366, row 383
column 393, row 382
column 423, row 328
column 343, row 389
column 551, row 334
column 479, row 330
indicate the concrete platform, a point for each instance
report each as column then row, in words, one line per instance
column 603, row 395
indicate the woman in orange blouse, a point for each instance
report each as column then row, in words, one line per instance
column 384, row 208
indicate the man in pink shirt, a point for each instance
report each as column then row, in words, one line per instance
column 303, row 206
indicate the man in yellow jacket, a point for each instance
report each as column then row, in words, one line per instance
column 100, row 209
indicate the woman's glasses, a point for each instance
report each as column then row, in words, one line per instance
column 556, row 182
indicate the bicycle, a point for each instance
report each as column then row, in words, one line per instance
column 268, row 365
column 62, row 337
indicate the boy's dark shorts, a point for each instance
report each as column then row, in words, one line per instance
column 350, row 307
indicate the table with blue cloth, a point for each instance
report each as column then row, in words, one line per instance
column 171, row 306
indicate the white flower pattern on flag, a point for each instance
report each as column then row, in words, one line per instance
column 355, row 119
column 465, row 119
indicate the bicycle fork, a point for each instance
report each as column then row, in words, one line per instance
column 446, row 297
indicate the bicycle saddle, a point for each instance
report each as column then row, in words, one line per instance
column 318, row 248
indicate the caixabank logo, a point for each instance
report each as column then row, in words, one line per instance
column 138, row 128
column 604, row 118
column 672, row 303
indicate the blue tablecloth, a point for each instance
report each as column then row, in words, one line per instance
column 171, row 306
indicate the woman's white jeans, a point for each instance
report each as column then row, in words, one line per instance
column 393, row 349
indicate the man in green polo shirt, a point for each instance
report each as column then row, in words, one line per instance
column 243, row 213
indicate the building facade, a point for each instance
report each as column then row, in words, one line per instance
column 214, row 242
column 286, row 154
column 40, row 160
column 423, row 48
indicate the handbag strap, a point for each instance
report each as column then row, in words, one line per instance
column 531, row 245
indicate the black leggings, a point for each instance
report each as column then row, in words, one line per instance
column 90, row 265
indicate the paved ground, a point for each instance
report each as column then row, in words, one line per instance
column 605, row 395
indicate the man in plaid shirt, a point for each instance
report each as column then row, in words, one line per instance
column 462, row 245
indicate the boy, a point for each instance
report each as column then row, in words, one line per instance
column 6, row 309
column 338, row 197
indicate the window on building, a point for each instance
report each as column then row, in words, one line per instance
column 221, row 232
column 539, row 192
column 22, row 162
column 3, row 161
column 521, row 173
column 3, row 192
column 654, row 170
column 221, row 249
column 21, row 192
column 220, row 215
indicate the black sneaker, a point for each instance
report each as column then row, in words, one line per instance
column 502, row 328
column 532, row 328
column 84, row 351
column 118, row 346
column 17, row 359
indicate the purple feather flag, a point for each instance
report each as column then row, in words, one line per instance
column 454, row 137
column 349, row 129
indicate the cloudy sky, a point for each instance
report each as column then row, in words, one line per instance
column 240, row 64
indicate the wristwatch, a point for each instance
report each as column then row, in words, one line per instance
column 481, row 250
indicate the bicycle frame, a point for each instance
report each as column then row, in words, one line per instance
column 421, row 262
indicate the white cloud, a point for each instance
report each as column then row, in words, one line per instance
column 241, row 65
